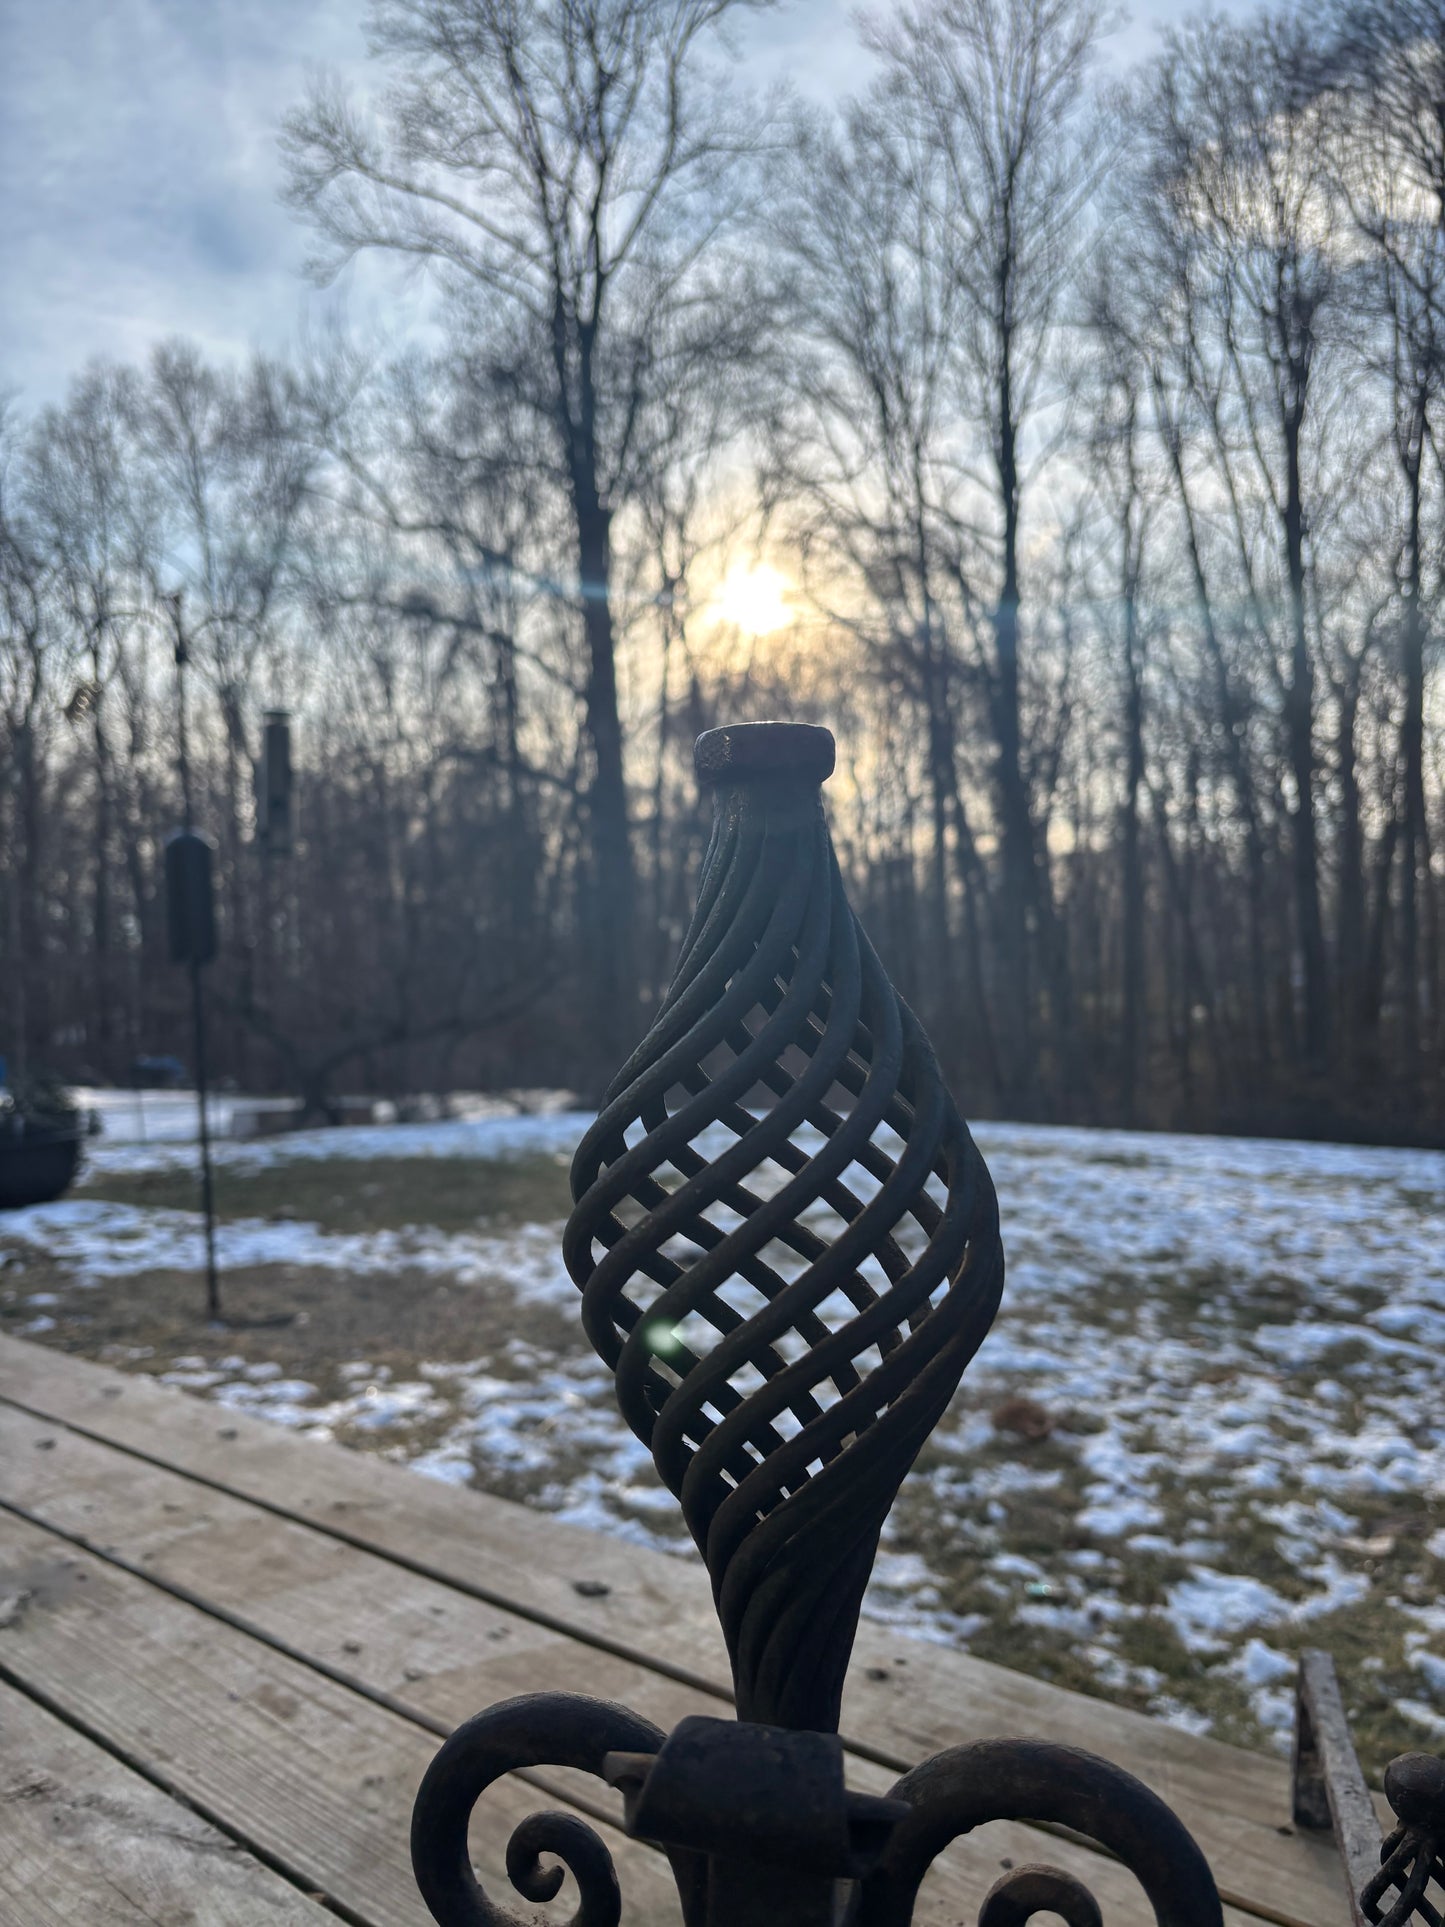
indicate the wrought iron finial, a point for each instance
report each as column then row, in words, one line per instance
column 788, row 1250
column 786, row 1240
column 1411, row 1881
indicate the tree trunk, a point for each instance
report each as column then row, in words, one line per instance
column 1351, row 925
column 31, row 958
column 614, row 977
column 1016, row 881
column 982, row 1030
column 1299, row 726
column 1412, row 758
column 940, row 789
column 942, row 781
column 1372, row 988
column 1232, row 720
column 1132, row 874
column 101, row 1031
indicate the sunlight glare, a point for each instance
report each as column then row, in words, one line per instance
column 754, row 599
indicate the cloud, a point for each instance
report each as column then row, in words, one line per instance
column 138, row 148
column 138, row 139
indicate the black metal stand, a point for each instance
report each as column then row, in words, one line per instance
column 208, row 1199
column 191, row 913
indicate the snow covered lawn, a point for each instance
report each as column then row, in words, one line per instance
column 1207, row 1429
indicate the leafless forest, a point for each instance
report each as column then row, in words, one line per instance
column 1068, row 440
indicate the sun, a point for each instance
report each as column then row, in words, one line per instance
column 754, row 599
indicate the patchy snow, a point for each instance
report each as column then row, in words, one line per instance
column 1261, row 1665
column 1210, row 1604
column 1239, row 1345
column 1423, row 1715
column 100, row 1240
column 152, row 1117
column 156, row 1131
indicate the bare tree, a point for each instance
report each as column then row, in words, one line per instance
column 29, row 672
column 567, row 170
column 1000, row 92
column 1235, row 120
column 1118, row 414
column 1389, row 58
column 867, row 469
column 1119, row 520
column 230, row 469
column 93, row 521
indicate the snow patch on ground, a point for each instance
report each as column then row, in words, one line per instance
column 100, row 1240
column 159, row 1133
column 1239, row 1342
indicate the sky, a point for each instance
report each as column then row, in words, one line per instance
column 138, row 150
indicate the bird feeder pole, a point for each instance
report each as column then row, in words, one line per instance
column 191, row 908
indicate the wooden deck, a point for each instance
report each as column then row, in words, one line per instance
column 227, row 1654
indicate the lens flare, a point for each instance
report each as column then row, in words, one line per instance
column 754, row 600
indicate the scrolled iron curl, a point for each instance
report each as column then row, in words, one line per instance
column 784, row 1494
column 579, row 1851
column 1028, row 1891
column 965, row 1787
column 535, row 1729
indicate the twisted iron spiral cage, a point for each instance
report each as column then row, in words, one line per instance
column 788, row 1251
column 786, row 1240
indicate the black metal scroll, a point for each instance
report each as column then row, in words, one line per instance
column 967, row 1786
column 555, row 1729
column 788, row 1251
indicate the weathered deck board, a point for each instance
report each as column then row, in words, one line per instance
column 656, row 1615
column 319, row 1779
column 85, row 1842
column 427, row 1651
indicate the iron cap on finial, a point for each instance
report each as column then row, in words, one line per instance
column 801, row 750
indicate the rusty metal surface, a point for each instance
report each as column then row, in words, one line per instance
column 788, row 1250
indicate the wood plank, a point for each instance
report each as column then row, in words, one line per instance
column 411, row 1643
column 319, row 1780
column 422, row 1647
column 1235, row 1802
column 83, row 1839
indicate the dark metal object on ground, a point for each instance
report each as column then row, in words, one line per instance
column 38, row 1163
column 788, row 1251
column 40, row 1133
column 1392, row 1882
